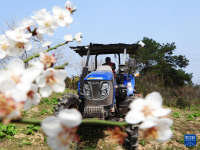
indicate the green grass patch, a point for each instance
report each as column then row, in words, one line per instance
column 7, row 130
column 44, row 111
column 31, row 129
column 176, row 114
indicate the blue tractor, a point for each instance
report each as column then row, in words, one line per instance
column 102, row 92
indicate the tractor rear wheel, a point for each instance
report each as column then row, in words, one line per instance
column 131, row 142
column 67, row 101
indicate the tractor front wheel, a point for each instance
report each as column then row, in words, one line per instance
column 67, row 101
column 131, row 142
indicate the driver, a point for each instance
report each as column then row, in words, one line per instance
column 111, row 64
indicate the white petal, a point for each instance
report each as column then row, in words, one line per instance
column 137, row 104
column 7, row 85
column 34, row 88
column 134, row 117
column 41, row 81
column 46, row 91
column 30, row 74
column 40, row 36
column 164, row 135
column 13, row 52
column 24, row 87
column 51, row 126
column 68, row 19
column 70, row 117
column 61, row 23
column 59, row 87
column 16, row 113
column 56, row 9
column 56, row 144
column 54, row 24
column 27, row 35
column 164, row 122
column 3, row 75
column 68, row 25
column 50, row 31
column 9, row 33
column 16, row 65
column 153, row 100
column 2, row 53
column 147, row 124
column 18, row 96
column 61, row 74
column 28, row 45
column 37, row 64
column 36, row 99
column 27, row 104
column 42, row 30
column 161, row 112
column 50, row 71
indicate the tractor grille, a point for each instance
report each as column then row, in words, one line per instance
column 95, row 90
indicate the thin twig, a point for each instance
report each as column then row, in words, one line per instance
column 61, row 67
column 37, row 55
column 84, row 121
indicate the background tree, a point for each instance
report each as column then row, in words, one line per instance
column 158, row 59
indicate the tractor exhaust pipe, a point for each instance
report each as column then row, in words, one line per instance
column 85, row 69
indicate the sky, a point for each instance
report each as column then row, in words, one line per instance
column 128, row 21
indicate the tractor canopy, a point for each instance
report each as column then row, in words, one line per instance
column 100, row 49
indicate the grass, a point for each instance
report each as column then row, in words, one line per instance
column 27, row 137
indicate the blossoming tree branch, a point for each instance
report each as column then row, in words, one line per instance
column 19, row 86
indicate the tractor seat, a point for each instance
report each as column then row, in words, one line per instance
column 104, row 68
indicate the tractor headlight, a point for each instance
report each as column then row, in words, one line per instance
column 104, row 90
column 86, row 90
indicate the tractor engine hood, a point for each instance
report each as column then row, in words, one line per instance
column 99, row 75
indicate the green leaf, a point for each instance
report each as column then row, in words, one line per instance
column 2, row 134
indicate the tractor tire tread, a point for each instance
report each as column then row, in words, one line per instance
column 131, row 142
column 66, row 101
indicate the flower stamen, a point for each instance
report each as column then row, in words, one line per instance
column 147, row 111
column 61, row 16
column 47, row 24
column 20, row 45
column 4, row 46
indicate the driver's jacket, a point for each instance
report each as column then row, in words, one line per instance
column 112, row 65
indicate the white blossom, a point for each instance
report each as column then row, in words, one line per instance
column 78, row 37
column 161, row 131
column 40, row 36
column 141, row 43
column 70, row 7
column 62, row 16
column 27, row 23
column 32, row 97
column 10, row 90
column 9, row 108
column 46, row 44
column 46, row 22
column 40, row 14
column 68, row 38
column 18, row 35
column 18, row 48
column 17, row 78
column 51, row 80
column 4, row 46
column 61, row 130
column 47, row 59
column 37, row 64
column 148, row 109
